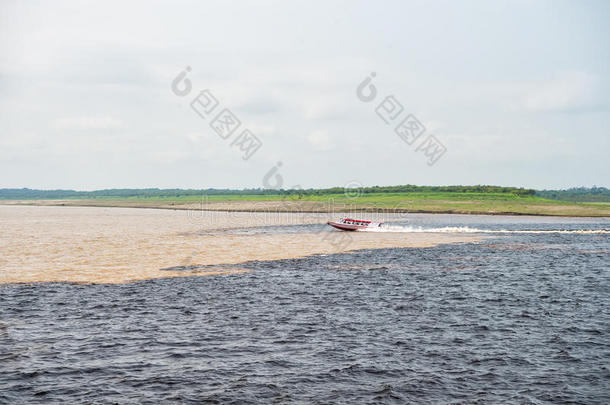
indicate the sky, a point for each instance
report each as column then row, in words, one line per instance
column 511, row 93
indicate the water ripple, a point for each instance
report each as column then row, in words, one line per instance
column 517, row 319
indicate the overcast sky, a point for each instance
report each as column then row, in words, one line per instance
column 517, row 92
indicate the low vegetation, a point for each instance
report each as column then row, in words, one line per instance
column 407, row 198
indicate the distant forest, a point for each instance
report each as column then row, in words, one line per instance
column 25, row 193
column 580, row 194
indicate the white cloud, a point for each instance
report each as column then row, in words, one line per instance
column 320, row 140
column 565, row 91
column 88, row 123
column 262, row 129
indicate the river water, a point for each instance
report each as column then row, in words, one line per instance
column 518, row 315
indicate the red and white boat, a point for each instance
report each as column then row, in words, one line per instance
column 348, row 224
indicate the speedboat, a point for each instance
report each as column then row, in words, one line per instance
column 348, row 224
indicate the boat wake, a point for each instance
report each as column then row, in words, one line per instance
column 466, row 229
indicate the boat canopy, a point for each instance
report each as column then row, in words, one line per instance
column 356, row 221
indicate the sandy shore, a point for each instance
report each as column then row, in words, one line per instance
column 287, row 205
column 337, row 206
column 118, row 245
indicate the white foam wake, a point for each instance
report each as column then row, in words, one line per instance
column 466, row 229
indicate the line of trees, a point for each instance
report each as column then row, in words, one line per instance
column 26, row 193
column 577, row 194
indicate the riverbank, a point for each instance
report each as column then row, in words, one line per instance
column 446, row 203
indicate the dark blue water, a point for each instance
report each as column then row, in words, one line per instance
column 516, row 318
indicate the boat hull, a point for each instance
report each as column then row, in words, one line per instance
column 346, row 227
